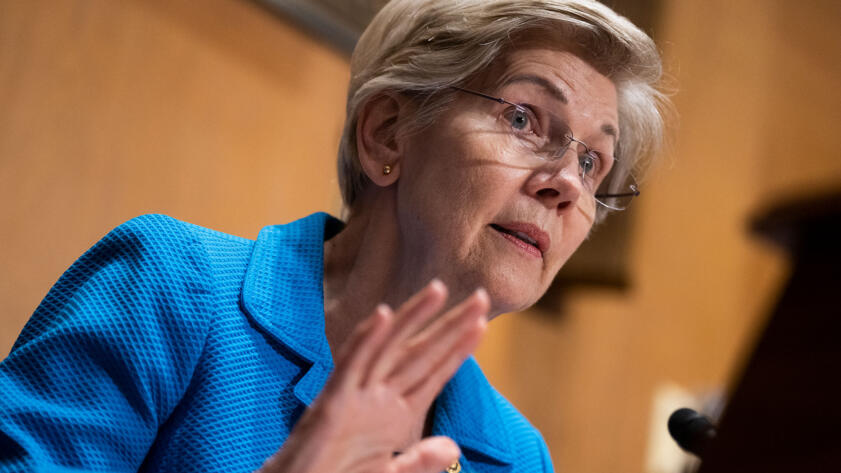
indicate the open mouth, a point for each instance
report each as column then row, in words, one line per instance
column 520, row 236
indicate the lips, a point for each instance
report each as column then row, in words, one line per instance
column 527, row 233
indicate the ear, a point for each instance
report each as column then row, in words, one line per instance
column 378, row 142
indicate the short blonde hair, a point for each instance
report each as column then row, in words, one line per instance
column 424, row 47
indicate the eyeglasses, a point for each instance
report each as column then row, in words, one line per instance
column 540, row 133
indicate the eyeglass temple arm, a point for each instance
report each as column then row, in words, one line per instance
column 626, row 194
column 480, row 94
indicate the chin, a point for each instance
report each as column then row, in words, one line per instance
column 512, row 294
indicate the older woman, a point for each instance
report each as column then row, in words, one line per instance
column 483, row 140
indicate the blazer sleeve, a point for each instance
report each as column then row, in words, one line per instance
column 108, row 353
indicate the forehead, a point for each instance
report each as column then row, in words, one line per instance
column 547, row 70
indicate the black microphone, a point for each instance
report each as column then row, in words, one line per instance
column 692, row 431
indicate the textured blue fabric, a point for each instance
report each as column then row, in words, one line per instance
column 168, row 347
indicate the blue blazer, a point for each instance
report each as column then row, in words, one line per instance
column 168, row 347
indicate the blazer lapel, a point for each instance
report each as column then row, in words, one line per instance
column 467, row 411
column 283, row 293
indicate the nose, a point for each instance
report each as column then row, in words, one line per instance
column 558, row 184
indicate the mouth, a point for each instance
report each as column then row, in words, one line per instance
column 529, row 237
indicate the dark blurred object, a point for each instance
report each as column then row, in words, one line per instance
column 785, row 414
column 692, row 431
column 341, row 22
column 338, row 22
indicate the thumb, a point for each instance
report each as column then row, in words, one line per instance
column 430, row 455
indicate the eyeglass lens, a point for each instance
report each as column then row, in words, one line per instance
column 545, row 135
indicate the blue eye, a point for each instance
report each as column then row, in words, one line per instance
column 519, row 119
column 588, row 163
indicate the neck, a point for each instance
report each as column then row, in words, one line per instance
column 364, row 266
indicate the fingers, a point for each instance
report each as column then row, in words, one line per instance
column 435, row 354
column 430, row 455
column 416, row 311
column 411, row 317
column 364, row 343
column 415, row 350
column 424, row 392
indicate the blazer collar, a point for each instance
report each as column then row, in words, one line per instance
column 468, row 411
column 283, row 293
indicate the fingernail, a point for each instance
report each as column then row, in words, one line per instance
column 436, row 285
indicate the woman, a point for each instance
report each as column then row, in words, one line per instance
column 482, row 143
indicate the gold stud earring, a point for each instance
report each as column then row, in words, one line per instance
column 386, row 170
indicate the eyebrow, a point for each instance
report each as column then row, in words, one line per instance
column 551, row 88
column 609, row 130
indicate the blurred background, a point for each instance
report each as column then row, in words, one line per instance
column 227, row 114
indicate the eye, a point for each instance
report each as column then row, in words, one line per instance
column 589, row 163
column 520, row 119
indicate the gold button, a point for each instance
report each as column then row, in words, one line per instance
column 454, row 468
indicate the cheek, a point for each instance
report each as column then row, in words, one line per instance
column 452, row 203
column 576, row 230
column 452, row 195
column 453, row 175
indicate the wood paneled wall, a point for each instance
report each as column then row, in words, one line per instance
column 226, row 116
column 217, row 113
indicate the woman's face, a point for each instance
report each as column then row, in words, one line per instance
column 484, row 212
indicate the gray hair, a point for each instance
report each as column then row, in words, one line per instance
column 423, row 47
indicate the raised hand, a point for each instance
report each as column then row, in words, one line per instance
column 387, row 375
